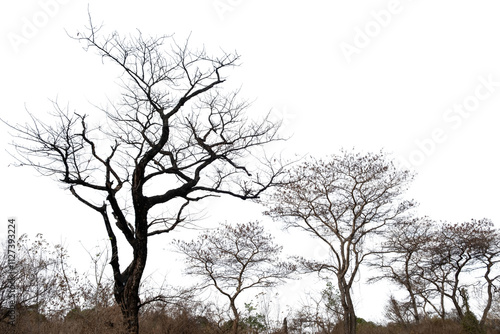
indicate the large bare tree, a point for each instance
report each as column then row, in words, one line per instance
column 174, row 138
column 342, row 201
column 234, row 259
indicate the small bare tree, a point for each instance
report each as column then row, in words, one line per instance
column 174, row 138
column 342, row 202
column 235, row 259
column 398, row 312
column 321, row 314
column 42, row 285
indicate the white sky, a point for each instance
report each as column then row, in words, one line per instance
column 420, row 79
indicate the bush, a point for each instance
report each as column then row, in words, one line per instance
column 470, row 324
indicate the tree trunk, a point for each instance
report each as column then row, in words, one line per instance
column 349, row 314
column 129, row 300
column 489, row 291
column 455, row 300
column 236, row 320
column 349, row 321
column 413, row 301
column 130, row 317
column 128, row 296
column 409, row 288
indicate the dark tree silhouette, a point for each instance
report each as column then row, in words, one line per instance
column 174, row 138
column 342, row 201
column 235, row 259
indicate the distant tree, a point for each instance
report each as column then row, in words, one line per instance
column 235, row 259
column 404, row 248
column 174, row 138
column 41, row 283
column 342, row 202
column 489, row 257
column 399, row 312
column 433, row 261
column 38, row 275
column 457, row 250
column 321, row 314
column 470, row 324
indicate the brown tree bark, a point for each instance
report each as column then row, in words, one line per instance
column 349, row 313
column 236, row 320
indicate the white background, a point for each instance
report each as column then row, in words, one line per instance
column 413, row 61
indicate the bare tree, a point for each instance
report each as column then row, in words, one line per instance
column 489, row 256
column 174, row 138
column 322, row 314
column 235, row 259
column 433, row 262
column 400, row 262
column 454, row 252
column 342, row 202
column 399, row 312
column 39, row 277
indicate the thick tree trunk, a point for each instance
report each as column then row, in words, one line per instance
column 129, row 300
column 128, row 296
column 131, row 317
column 349, row 320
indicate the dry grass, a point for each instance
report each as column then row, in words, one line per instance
column 180, row 321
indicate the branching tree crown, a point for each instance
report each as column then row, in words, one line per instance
column 434, row 262
column 455, row 250
column 343, row 201
column 234, row 259
column 174, row 138
column 404, row 249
